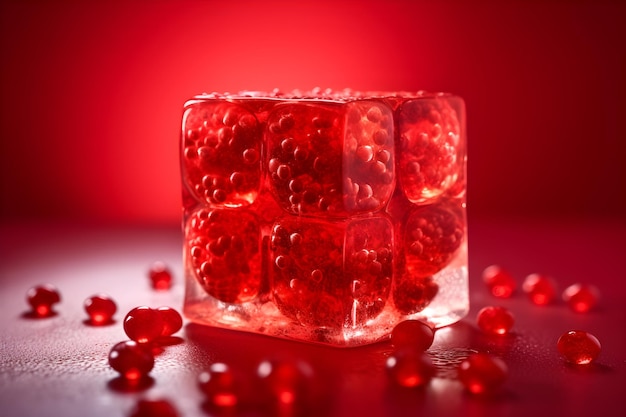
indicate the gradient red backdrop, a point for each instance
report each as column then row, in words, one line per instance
column 92, row 93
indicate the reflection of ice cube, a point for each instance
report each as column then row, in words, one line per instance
column 331, row 273
column 331, row 159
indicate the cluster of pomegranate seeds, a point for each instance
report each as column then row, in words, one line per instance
column 430, row 238
column 41, row 299
column 222, row 153
column 578, row 347
column 499, row 281
column 225, row 251
column 540, row 288
column 153, row 408
column 412, row 334
column 495, row 320
column 410, row 368
column 482, row 373
column 581, row 298
column 430, row 149
column 132, row 360
column 100, row 309
column 218, row 385
column 330, row 274
column 144, row 324
column 160, row 276
column 313, row 169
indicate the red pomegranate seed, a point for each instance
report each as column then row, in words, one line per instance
column 482, row 373
column 143, row 324
column 131, row 360
column 100, row 309
column 410, row 368
column 499, row 281
column 579, row 347
column 154, row 408
column 540, row 288
column 160, row 276
column 495, row 320
column 218, row 384
column 172, row 320
column 412, row 334
column 581, row 297
column 287, row 381
column 41, row 298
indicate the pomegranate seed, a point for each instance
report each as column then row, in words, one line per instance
column 172, row 320
column 143, row 324
column 495, row 320
column 540, row 288
column 41, row 298
column 160, row 276
column 581, row 297
column 287, row 381
column 218, row 384
column 131, row 360
column 499, row 281
column 578, row 347
column 482, row 373
column 412, row 334
column 154, row 408
column 410, row 368
column 100, row 309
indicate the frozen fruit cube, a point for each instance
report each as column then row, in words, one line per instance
column 431, row 151
column 331, row 159
column 221, row 155
column 331, row 273
column 224, row 249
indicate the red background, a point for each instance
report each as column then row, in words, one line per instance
column 92, row 93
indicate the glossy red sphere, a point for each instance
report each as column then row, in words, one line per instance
column 495, row 320
column 541, row 289
column 579, row 347
column 131, row 360
column 581, row 297
column 100, row 309
column 410, row 368
column 482, row 373
column 143, row 324
column 172, row 320
column 412, row 334
column 499, row 281
column 218, row 384
column 287, row 381
column 41, row 299
column 160, row 276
